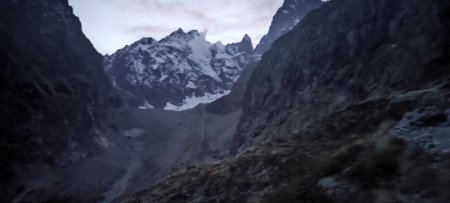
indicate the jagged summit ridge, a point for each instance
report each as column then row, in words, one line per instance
column 287, row 16
column 177, row 72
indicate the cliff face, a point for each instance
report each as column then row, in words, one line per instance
column 287, row 17
column 352, row 105
column 54, row 92
column 345, row 52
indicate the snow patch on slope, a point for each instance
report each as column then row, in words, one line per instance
column 201, row 55
column 146, row 106
column 191, row 102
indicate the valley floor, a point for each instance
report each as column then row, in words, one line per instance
column 367, row 152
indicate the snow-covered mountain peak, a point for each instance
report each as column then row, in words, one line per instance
column 177, row 70
column 182, row 34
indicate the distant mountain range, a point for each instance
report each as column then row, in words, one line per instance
column 183, row 70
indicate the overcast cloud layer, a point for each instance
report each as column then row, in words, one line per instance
column 112, row 24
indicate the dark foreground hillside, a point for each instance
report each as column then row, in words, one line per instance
column 54, row 93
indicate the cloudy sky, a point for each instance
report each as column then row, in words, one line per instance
column 112, row 24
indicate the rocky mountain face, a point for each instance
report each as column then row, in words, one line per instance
column 369, row 51
column 286, row 17
column 289, row 15
column 54, row 92
column 177, row 72
column 352, row 105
